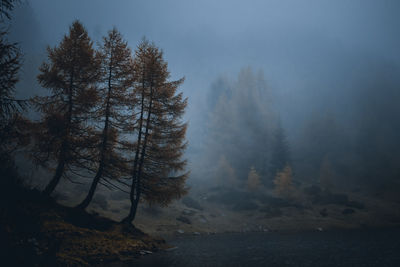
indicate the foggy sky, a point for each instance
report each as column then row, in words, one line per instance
column 308, row 50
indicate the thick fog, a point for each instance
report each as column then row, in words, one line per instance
column 324, row 73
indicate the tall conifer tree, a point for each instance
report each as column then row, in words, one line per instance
column 112, row 113
column 157, row 174
column 64, row 135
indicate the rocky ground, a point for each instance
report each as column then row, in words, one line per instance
column 222, row 211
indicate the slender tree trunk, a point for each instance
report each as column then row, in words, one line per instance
column 136, row 199
column 56, row 178
column 83, row 205
column 64, row 147
column 133, row 191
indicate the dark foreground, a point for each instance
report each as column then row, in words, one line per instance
column 328, row 248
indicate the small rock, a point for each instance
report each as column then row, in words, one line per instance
column 320, row 229
column 188, row 212
column 184, row 220
column 203, row 219
column 180, row 231
column 196, row 233
column 191, row 203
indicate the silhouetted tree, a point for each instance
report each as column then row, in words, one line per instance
column 323, row 138
column 12, row 125
column 10, row 63
column 64, row 134
column 6, row 6
column 160, row 133
column 112, row 113
column 280, row 151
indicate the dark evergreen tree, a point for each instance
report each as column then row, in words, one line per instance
column 10, row 64
column 12, row 124
column 280, row 156
column 6, row 6
column 10, row 107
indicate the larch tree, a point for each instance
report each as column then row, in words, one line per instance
column 284, row 183
column 64, row 136
column 112, row 113
column 158, row 169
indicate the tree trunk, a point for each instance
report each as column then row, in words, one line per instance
column 132, row 212
column 64, row 147
column 83, row 205
column 135, row 201
column 56, row 178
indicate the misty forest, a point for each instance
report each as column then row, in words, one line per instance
column 186, row 133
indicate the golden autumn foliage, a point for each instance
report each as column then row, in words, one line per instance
column 63, row 135
column 111, row 117
column 158, row 170
column 283, row 183
column 253, row 180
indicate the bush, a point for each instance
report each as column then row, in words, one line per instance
column 283, row 183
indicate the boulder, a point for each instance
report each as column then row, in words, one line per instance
column 191, row 203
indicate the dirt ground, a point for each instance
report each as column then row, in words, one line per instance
column 207, row 217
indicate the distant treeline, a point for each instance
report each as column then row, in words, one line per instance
column 352, row 149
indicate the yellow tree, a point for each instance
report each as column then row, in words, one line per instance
column 283, row 182
column 63, row 136
column 157, row 174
